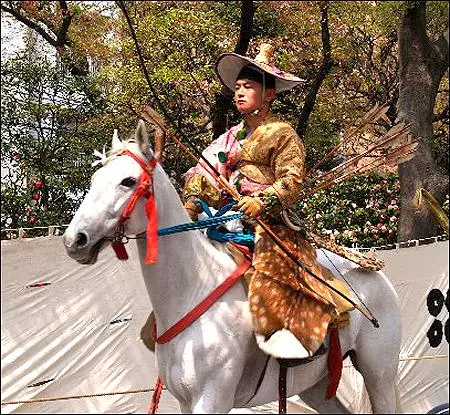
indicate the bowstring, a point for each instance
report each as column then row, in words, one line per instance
column 141, row 59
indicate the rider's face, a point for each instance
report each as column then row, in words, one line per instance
column 247, row 95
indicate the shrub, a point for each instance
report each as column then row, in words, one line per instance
column 362, row 211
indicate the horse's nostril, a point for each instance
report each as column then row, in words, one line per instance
column 81, row 240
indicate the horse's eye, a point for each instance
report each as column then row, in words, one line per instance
column 128, row 182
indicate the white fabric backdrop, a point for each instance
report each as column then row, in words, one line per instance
column 80, row 333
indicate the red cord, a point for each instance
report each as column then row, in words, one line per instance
column 156, row 396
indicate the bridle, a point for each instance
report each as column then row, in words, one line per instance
column 145, row 190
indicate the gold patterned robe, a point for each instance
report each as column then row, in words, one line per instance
column 281, row 295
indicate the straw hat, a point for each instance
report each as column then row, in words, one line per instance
column 229, row 65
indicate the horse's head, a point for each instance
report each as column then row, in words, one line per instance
column 119, row 189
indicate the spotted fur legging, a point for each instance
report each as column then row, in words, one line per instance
column 281, row 295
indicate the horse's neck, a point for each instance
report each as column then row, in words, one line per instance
column 189, row 267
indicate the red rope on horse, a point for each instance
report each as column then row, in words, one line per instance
column 207, row 302
column 145, row 190
column 156, row 396
column 191, row 317
column 334, row 363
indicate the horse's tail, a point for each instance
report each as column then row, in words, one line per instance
column 398, row 407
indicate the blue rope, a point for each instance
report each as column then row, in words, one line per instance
column 222, row 235
column 201, row 224
column 212, row 223
column 240, row 238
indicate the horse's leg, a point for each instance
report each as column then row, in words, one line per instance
column 210, row 385
column 210, row 392
column 377, row 350
column 215, row 399
column 380, row 381
column 184, row 407
column 315, row 398
column 210, row 401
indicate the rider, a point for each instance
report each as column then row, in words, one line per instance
column 264, row 159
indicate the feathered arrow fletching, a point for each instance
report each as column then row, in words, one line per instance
column 151, row 116
column 370, row 152
column 371, row 117
column 393, row 148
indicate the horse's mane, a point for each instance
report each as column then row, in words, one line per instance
column 129, row 144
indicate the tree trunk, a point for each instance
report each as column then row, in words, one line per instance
column 325, row 67
column 422, row 65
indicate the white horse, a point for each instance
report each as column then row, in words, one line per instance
column 215, row 365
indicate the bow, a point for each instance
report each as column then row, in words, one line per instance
column 223, row 181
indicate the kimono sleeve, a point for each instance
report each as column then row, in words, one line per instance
column 288, row 164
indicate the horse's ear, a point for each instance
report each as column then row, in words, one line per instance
column 141, row 136
column 116, row 143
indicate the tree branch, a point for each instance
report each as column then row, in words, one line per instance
column 61, row 39
column 67, row 17
column 30, row 23
column 245, row 34
column 392, row 40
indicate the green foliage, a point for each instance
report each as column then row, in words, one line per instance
column 362, row 211
column 321, row 137
column 52, row 122
column 47, row 144
column 266, row 24
column 180, row 45
column 437, row 17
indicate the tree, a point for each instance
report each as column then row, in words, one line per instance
column 346, row 51
column 423, row 63
column 52, row 21
column 49, row 132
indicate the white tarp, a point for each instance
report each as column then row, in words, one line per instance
column 69, row 331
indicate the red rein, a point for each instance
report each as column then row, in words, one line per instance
column 144, row 189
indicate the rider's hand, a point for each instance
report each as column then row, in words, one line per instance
column 250, row 206
column 192, row 209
